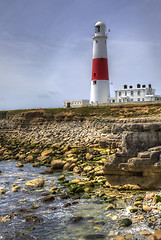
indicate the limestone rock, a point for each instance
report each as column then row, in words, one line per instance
column 157, row 235
column 57, row 164
column 35, row 183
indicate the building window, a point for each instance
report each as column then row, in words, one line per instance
column 132, row 93
column 102, row 59
column 105, row 41
column 138, row 99
column 143, row 99
column 96, row 41
column 119, row 93
column 97, row 29
column 125, row 93
column 119, row 100
column 94, row 82
column 139, row 92
column 131, row 99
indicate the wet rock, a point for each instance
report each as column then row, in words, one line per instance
column 125, row 222
column 2, row 191
column 61, row 178
column 32, row 218
column 95, row 236
column 19, row 165
column 76, row 219
column 67, row 205
column 5, row 219
column 47, row 172
column 35, row 183
column 15, row 188
column 48, row 199
column 57, row 164
column 36, row 164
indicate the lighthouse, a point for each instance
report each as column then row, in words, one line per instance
column 100, row 77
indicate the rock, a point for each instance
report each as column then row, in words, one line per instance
column 146, row 208
column 94, row 236
column 15, row 187
column 61, row 178
column 145, row 233
column 76, row 219
column 32, row 218
column 47, row 153
column 57, row 164
column 156, row 199
column 47, row 172
column 150, row 237
column 5, row 219
column 67, row 205
column 149, row 196
column 48, row 199
column 157, row 235
column 53, row 189
column 19, row 165
column 2, row 191
column 114, row 218
column 138, row 203
column 89, row 156
column 120, row 238
column 87, row 168
column 66, row 166
column 133, row 209
column 36, row 164
column 125, row 222
column 75, row 181
column 110, row 206
column 35, row 183
column 29, row 158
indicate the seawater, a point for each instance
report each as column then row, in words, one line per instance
column 56, row 224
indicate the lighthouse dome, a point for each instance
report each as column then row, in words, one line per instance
column 100, row 28
column 100, row 23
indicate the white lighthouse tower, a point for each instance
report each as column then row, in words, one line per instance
column 100, row 77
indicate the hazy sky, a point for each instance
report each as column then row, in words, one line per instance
column 46, row 48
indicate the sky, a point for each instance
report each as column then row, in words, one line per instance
column 46, row 48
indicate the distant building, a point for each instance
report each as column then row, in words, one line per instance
column 138, row 94
column 75, row 103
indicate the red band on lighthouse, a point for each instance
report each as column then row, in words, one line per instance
column 100, row 69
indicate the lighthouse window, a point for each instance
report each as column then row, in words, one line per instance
column 97, row 29
column 94, row 82
column 96, row 41
column 94, row 74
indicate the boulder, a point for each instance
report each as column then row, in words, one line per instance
column 57, row 164
column 35, row 183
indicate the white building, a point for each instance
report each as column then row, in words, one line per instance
column 76, row 103
column 138, row 94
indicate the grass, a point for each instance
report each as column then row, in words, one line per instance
column 115, row 111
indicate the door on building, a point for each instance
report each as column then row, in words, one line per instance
column 68, row 104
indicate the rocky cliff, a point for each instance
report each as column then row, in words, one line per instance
column 135, row 142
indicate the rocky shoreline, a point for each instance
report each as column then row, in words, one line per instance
column 100, row 151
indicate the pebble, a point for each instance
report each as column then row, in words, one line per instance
column 146, row 208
